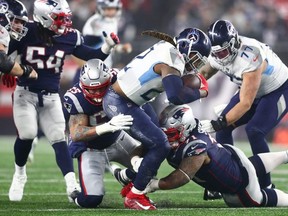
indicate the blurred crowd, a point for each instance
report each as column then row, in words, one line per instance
column 265, row 20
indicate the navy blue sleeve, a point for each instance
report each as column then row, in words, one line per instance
column 85, row 53
column 177, row 93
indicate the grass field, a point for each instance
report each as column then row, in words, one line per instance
column 45, row 191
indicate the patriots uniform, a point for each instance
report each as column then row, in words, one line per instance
column 225, row 173
column 76, row 103
column 49, row 60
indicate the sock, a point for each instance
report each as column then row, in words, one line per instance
column 136, row 191
column 272, row 160
column 70, row 179
column 20, row 170
column 130, row 174
column 63, row 159
column 21, row 151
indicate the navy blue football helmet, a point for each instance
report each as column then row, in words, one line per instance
column 13, row 16
column 225, row 41
column 195, row 46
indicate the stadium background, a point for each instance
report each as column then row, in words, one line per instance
column 266, row 20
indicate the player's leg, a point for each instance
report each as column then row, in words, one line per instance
column 52, row 122
column 25, row 118
column 91, row 167
column 268, row 114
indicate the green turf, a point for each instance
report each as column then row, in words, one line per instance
column 45, row 191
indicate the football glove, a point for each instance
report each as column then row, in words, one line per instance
column 119, row 122
column 211, row 126
column 109, row 42
column 152, row 186
column 8, row 80
column 204, row 83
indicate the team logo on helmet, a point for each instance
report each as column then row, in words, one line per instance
column 179, row 114
column 3, row 6
column 194, row 37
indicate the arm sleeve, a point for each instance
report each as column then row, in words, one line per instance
column 177, row 93
column 85, row 53
column 6, row 63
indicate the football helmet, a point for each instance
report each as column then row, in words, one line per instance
column 13, row 16
column 104, row 4
column 54, row 15
column 94, row 80
column 225, row 41
column 195, row 47
column 177, row 122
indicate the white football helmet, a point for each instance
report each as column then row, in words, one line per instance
column 94, row 80
column 177, row 122
column 54, row 15
column 104, row 4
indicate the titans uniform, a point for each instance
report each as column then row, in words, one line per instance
column 229, row 170
column 269, row 106
column 141, row 84
column 94, row 154
column 40, row 97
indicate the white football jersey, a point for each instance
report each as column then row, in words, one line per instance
column 250, row 56
column 4, row 37
column 138, row 80
column 96, row 24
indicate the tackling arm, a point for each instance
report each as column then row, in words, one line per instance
column 207, row 71
column 248, row 91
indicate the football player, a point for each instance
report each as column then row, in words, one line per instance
column 197, row 156
column 262, row 77
column 37, row 102
column 95, row 140
column 157, row 69
column 13, row 18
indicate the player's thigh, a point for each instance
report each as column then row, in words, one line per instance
column 269, row 112
column 121, row 150
column 91, row 165
column 25, row 113
column 51, row 118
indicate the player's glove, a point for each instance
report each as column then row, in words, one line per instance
column 27, row 69
column 8, row 80
column 110, row 42
column 204, row 83
column 119, row 122
column 136, row 162
column 213, row 126
column 152, row 186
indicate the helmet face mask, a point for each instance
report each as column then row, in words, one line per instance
column 177, row 122
column 14, row 18
column 94, row 80
column 109, row 9
column 225, row 41
column 195, row 47
column 54, row 15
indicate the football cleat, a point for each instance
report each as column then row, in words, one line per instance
column 72, row 192
column 211, row 195
column 119, row 177
column 17, row 187
column 126, row 189
column 138, row 202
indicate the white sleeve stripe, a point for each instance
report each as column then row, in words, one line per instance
column 75, row 101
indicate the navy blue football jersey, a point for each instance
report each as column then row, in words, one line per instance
column 75, row 103
column 48, row 59
column 224, row 173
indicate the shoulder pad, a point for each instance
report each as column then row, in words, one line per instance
column 194, row 148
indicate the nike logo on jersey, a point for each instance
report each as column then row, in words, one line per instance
column 142, row 206
column 255, row 59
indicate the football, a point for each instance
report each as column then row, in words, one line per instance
column 191, row 81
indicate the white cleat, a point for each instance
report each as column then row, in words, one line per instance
column 17, row 187
column 72, row 192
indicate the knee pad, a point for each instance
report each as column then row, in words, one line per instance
column 88, row 201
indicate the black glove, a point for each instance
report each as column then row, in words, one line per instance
column 27, row 69
column 219, row 124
